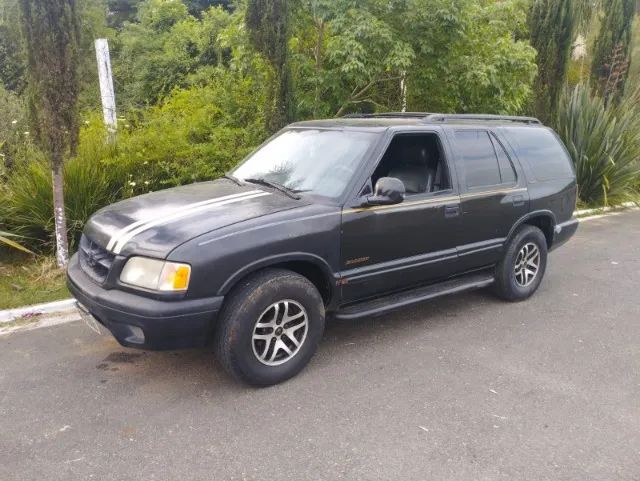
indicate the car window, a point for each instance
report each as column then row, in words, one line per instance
column 543, row 151
column 321, row 162
column 507, row 171
column 417, row 160
column 479, row 158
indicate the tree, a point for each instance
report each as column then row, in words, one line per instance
column 462, row 56
column 267, row 23
column 468, row 56
column 552, row 26
column 51, row 30
column 164, row 50
column 613, row 49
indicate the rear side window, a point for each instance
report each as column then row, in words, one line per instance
column 480, row 162
column 542, row 150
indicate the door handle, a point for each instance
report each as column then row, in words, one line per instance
column 452, row 210
column 517, row 200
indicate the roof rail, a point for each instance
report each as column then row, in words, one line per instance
column 382, row 115
column 429, row 117
column 480, row 117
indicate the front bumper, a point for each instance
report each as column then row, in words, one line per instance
column 137, row 321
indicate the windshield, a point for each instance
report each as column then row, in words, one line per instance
column 320, row 162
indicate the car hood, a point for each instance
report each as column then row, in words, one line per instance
column 154, row 224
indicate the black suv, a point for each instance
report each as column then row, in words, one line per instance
column 348, row 217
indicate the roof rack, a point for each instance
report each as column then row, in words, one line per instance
column 480, row 117
column 383, row 115
column 430, row 117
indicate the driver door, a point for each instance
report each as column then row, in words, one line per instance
column 393, row 247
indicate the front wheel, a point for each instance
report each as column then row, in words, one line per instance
column 519, row 273
column 270, row 327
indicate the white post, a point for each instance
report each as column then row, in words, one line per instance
column 107, row 93
column 403, row 90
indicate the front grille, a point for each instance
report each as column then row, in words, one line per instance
column 95, row 261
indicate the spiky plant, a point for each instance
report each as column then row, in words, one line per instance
column 5, row 240
column 604, row 144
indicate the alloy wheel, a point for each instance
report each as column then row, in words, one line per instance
column 280, row 332
column 527, row 264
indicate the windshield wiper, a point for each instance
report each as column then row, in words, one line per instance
column 232, row 179
column 274, row 185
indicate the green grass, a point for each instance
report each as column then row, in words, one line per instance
column 26, row 280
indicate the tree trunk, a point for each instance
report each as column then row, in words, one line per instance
column 60, row 218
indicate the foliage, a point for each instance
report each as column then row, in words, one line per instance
column 196, row 134
column 13, row 126
column 28, row 197
column 11, row 60
column 633, row 79
column 453, row 56
column 5, row 239
column 52, row 34
column 160, row 53
column 469, row 60
column 553, row 25
column 604, row 143
column 612, row 49
column 267, row 23
column 344, row 55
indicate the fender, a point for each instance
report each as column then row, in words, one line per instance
column 530, row 215
column 274, row 260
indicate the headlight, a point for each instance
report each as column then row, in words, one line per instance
column 156, row 274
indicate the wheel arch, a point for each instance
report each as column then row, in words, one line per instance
column 314, row 268
column 545, row 220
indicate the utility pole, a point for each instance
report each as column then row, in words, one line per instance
column 107, row 93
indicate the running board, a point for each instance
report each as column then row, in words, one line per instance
column 397, row 300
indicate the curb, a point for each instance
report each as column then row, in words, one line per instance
column 602, row 210
column 9, row 315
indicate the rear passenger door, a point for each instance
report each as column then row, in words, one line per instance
column 493, row 195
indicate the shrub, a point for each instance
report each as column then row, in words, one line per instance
column 604, row 144
column 28, row 203
column 196, row 134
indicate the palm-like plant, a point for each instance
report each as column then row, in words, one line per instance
column 604, row 144
column 5, row 239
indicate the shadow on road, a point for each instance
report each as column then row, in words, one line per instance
column 343, row 341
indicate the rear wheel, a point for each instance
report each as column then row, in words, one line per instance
column 270, row 327
column 519, row 273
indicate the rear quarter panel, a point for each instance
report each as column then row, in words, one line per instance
column 556, row 194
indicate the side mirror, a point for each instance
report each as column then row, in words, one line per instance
column 388, row 191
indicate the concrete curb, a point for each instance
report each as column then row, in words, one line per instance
column 65, row 305
column 9, row 315
column 602, row 210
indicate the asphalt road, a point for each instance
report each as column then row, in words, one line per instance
column 463, row 388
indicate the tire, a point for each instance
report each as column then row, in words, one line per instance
column 255, row 310
column 512, row 282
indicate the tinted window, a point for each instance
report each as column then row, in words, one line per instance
column 480, row 162
column 321, row 162
column 507, row 172
column 543, row 151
